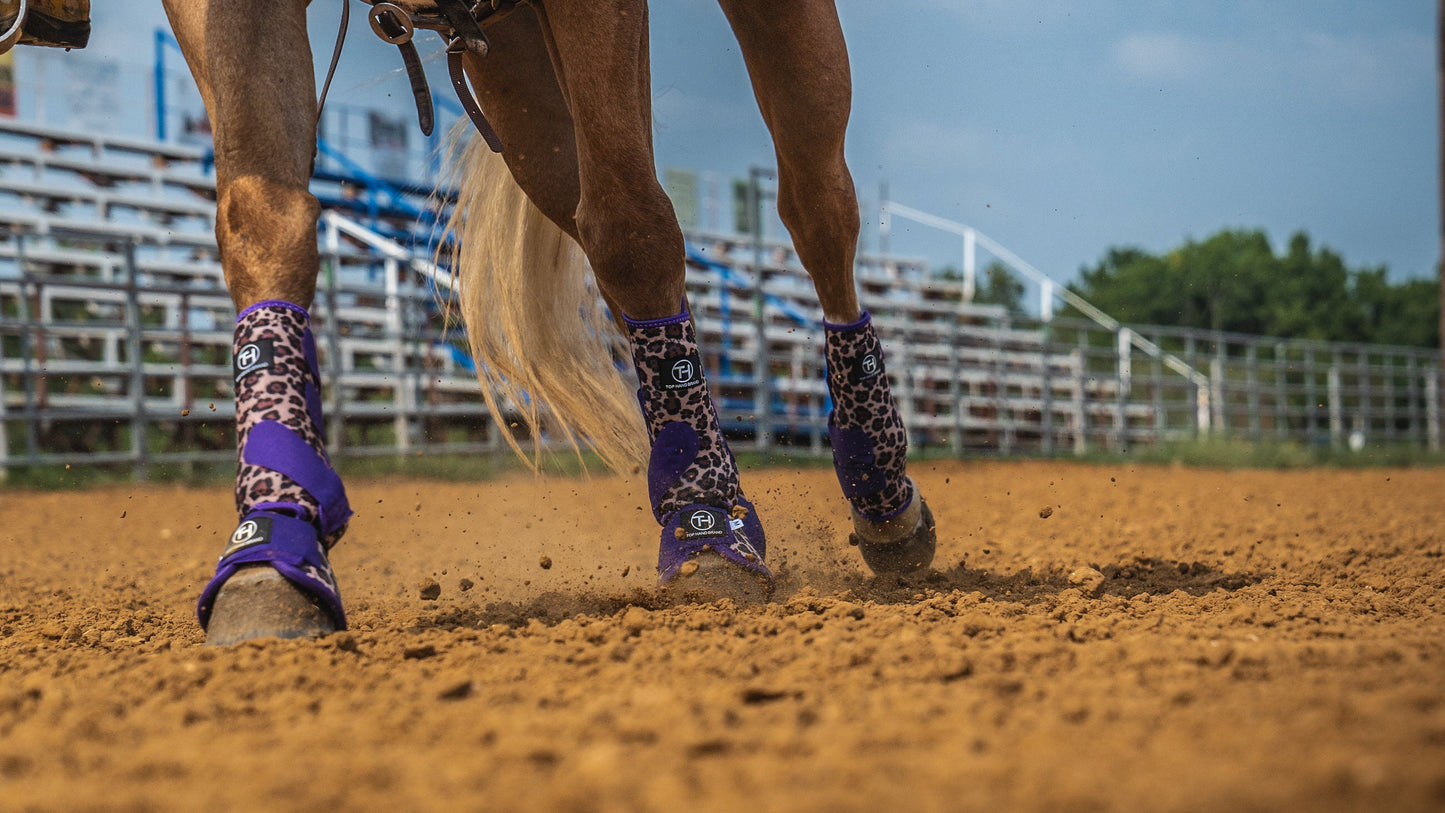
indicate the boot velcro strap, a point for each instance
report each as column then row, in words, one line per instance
column 275, row 446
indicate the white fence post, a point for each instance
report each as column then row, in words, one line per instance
column 1122, row 386
column 1337, row 407
column 1216, row 397
column 1432, row 408
column 4, row 435
column 1081, row 416
column 401, row 391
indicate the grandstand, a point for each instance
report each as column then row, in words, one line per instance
column 115, row 332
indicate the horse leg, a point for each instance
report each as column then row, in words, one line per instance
column 712, row 542
column 798, row 63
column 252, row 64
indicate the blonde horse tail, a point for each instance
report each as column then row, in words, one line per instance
column 544, row 346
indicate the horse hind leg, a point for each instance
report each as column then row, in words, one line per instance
column 712, row 543
column 798, row 62
column 254, row 73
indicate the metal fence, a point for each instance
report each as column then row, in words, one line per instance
column 130, row 365
column 115, row 335
column 134, row 368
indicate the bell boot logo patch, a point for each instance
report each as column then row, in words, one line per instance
column 701, row 523
column 253, row 356
column 868, row 367
column 252, row 532
column 680, row 372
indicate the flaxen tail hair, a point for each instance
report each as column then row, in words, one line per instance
column 544, row 346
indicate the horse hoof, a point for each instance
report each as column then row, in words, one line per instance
column 897, row 546
column 708, row 577
column 258, row 602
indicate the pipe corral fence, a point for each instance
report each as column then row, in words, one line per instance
column 115, row 339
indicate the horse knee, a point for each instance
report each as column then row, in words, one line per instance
column 820, row 208
column 267, row 235
column 632, row 239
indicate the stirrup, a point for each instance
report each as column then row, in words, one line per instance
column 291, row 546
column 704, row 549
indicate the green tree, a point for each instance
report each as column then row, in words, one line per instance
column 1234, row 281
column 998, row 286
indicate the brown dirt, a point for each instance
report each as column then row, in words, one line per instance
column 1249, row 641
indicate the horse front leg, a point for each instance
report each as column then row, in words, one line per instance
column 712, row 542
column 798, row 62
column 252, row 62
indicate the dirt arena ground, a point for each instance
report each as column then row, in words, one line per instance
column 1164, row 639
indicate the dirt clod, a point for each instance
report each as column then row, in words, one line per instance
column 1087, row 579
column 429, row 589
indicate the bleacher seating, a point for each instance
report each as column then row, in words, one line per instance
column 115, row 325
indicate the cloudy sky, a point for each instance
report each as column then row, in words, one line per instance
column 1057, row 127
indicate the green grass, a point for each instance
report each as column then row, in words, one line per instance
column 1227, row 454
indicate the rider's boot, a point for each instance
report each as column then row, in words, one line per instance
column 892, row 525
column 274, row 578
column 712, row 541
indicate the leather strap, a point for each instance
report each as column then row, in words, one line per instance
column 425, row 116
column 469, row 102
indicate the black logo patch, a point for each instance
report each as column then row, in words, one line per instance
column 700, row 523
column 679, row 372
column 869, row 366
column 253, row 356
column 254, row 531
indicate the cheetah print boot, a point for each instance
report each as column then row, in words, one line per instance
column 712, row 542
column 274, row 577
column 892, row 525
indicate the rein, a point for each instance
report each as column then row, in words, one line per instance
column 459, row 24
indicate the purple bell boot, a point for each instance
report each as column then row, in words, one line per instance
column 291, row 503
column 712, row 541
column 892, row 525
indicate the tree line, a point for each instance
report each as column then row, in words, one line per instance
column 1234, row 281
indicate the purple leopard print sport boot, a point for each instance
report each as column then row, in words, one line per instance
column 892, row 525
column 712, row 541
column 274, row 578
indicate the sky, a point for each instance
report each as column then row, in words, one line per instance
column 1059, row 128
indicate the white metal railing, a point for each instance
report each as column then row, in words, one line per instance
column 1049, row 291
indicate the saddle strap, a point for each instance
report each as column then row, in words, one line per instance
column 425, row 116
column 469, row 102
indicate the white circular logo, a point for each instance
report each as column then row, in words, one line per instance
column 870, row 364
column 682, row 371
column 248, row 356
column 702, row 521
column 245, row 533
